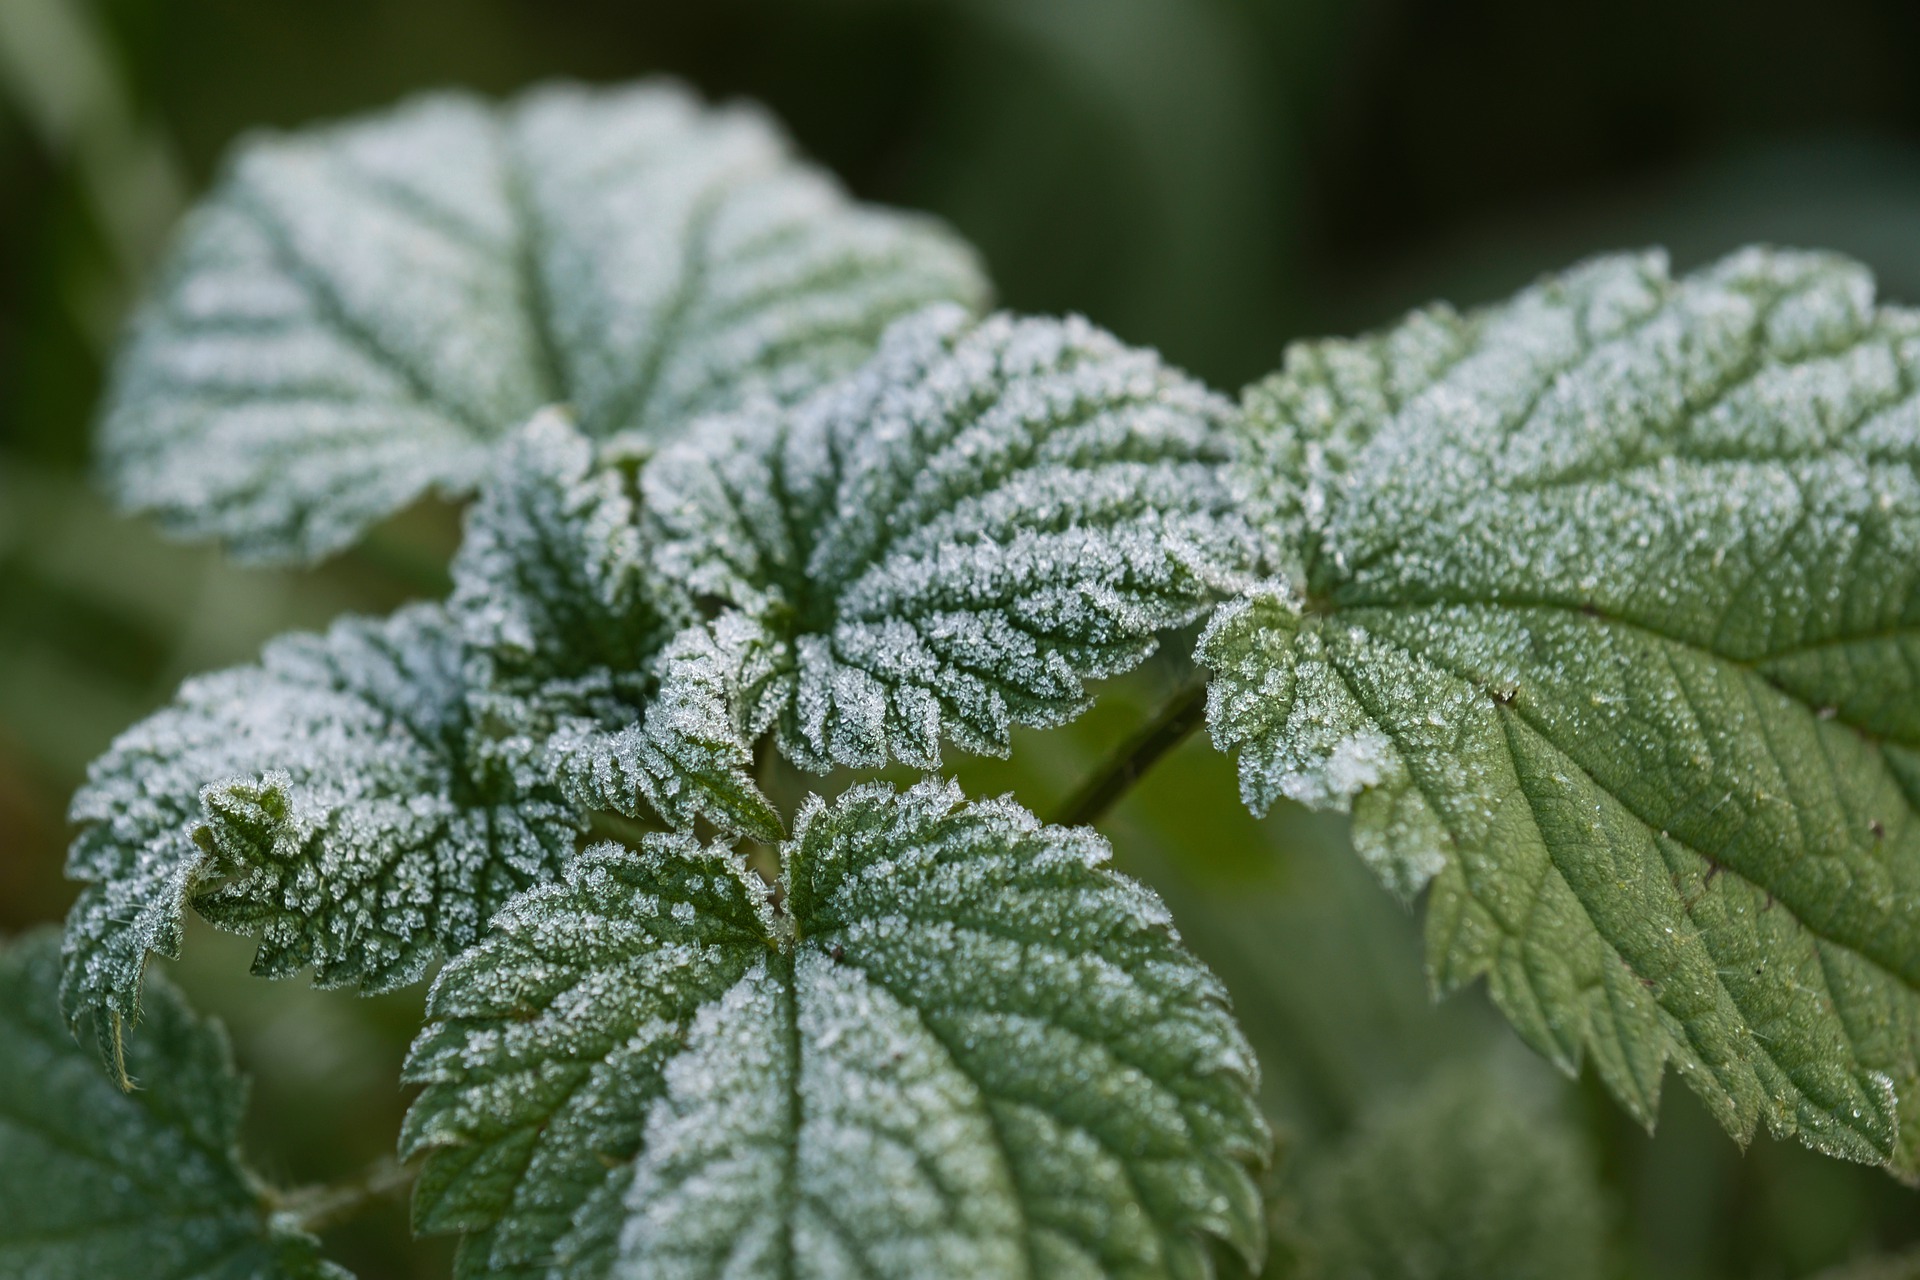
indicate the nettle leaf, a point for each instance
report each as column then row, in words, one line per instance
column 95, row 1182
column 359, row 311
column 1601, row 610
column 574, row 636
column 1457, row 1181
column 330, row 799
column 958, row 1046
column 953, row 540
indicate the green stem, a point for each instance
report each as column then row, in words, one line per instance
column 314, row 1209
column 1183, row 713
column 604, row 824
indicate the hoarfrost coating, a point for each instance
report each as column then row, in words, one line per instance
column 1601, row 610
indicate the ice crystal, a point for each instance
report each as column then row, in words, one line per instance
column 1601, row 609
column 359, row 311
column 329, row 799
column 97, row 1183
column 573, row 637
column 949, row 542
column 959, row 1047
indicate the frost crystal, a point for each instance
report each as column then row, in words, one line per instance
column 360, row 311
column 573, row 637
column 329, row 799
column 951, row 541
column 97, row 1183
column 1601, row 609
column 960, row 1047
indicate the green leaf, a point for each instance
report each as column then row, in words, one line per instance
column 958, row 1046
column 950, row 542
column 1456, row 1183
column 97, row 1183
column 360, row 311
column 331, row 799
column 574, row 636
column 1601, row 610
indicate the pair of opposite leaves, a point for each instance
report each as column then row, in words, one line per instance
column 1597, row 607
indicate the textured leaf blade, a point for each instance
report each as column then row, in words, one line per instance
column 1456, row 1180
column 961, row 1047
column 952, row 541
column 331, row 799
column 574, row 637
column 360, row 311
column 96, row 1182
column 1595, row 608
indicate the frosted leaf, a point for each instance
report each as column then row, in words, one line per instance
column 97, row 1183
column 360, row 311
column 329, row 800
column 1456, row 1180
column 1601, row 609
column 959, row 1046
column 573, row 636
column 951, row 541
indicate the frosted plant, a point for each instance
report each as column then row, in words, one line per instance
column 331, row 799
column 1597, row 610
column 1600, row 609
column 573, row 637
column 958, row 1046
column 360, row 311
column 951, row 541
column 178, row 1201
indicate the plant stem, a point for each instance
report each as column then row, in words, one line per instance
column 1175, row 723
column 314, row 1209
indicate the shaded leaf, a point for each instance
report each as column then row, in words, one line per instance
column 95, row 1182
column 1456, row 1182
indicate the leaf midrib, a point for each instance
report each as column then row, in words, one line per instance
column 1686, row 1027
column 1756, row 666
column 1514, row 710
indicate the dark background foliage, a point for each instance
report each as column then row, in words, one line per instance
column 1214, row 177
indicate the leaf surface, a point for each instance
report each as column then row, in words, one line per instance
column 1455, row 1180
column 1601, row 610
column 95, row 1182
column 958, row 1047
column 574, row 637
column 360, row 311
column 950, row 542
column 331, row 799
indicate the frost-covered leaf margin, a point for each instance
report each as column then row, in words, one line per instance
column 331, row 799
column 959, row 1047
column 574, row 637
column 951, row 541
column 1601, row 610
column 361, row 310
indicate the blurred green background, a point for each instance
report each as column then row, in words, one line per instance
column 1213, row 177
